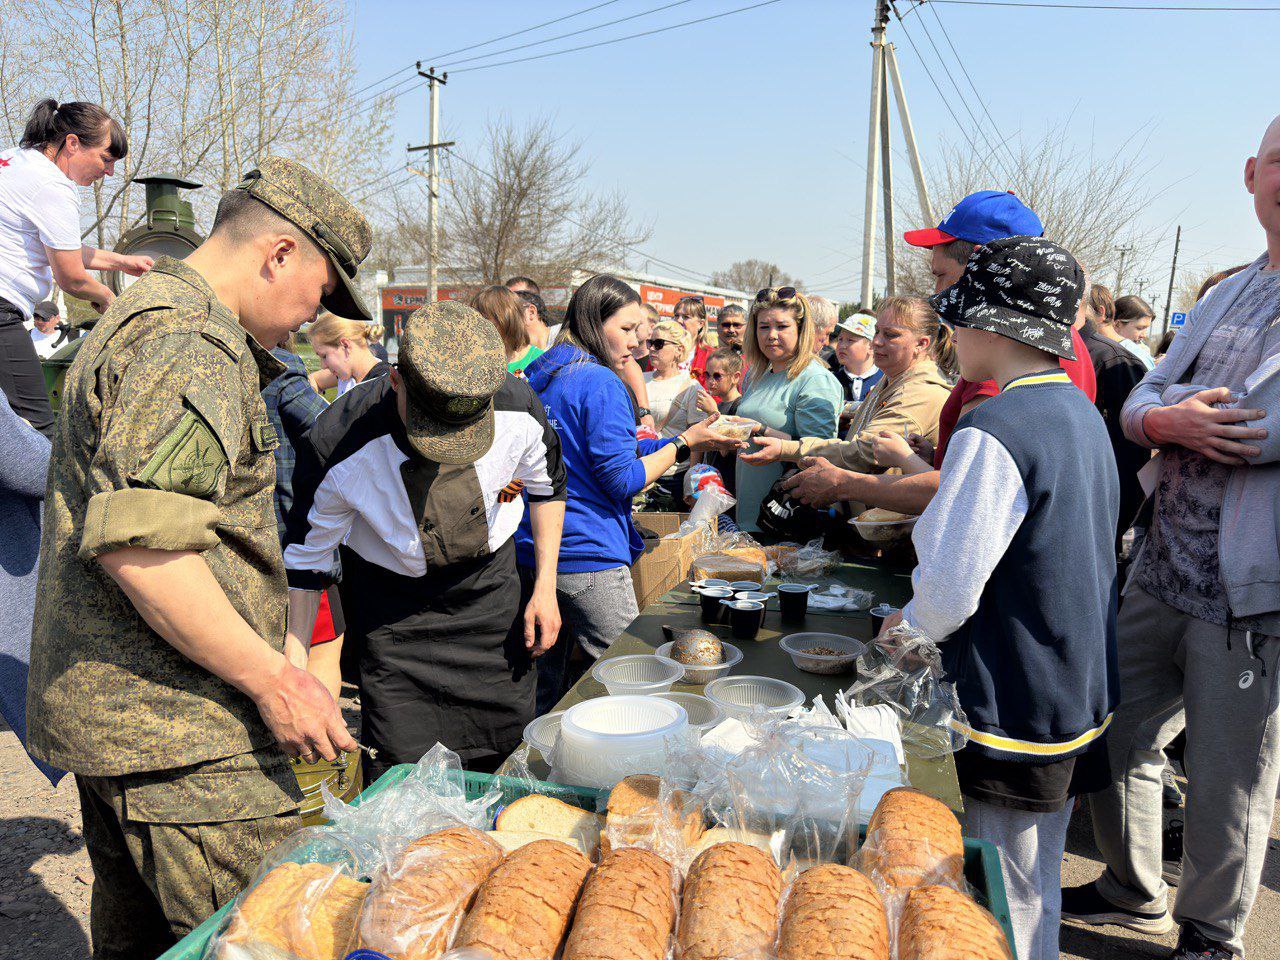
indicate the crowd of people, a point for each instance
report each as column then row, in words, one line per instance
column 201, row 548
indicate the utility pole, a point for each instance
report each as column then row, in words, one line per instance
column 1124, row 251
column 433, row 146
column 1173, row 271
column 884, row 71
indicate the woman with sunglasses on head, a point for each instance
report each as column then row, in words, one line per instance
column 63, row 148
column 691, row 313
column 912, row 349
column 785, row 388
column 579, row 383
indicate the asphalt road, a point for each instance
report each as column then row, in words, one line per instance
column 45, row 878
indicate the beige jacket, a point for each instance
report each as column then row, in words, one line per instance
column 909, row 402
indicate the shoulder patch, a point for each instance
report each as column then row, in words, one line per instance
column 190, row 460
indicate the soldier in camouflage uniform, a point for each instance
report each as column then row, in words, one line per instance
column 159, row 674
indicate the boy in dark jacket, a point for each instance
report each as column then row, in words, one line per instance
column 1025, row 613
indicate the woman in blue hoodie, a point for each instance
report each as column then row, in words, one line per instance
column 595, row 416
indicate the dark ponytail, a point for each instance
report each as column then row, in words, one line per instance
column 50, row 124
column 591, row 305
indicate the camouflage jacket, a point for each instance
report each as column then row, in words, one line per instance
column 163, row 441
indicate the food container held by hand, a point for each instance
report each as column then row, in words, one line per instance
column 826, row 653
column 744, row 696
column 705, row 674
column 637, row 674
column 609, row 738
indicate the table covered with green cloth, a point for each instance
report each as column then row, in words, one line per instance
column 763, row 657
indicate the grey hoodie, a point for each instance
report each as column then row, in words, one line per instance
column 1249, row 535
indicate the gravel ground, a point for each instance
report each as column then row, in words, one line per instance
column 45, row 878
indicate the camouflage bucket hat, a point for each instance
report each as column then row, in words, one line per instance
column 313, row 205
column 452, row 362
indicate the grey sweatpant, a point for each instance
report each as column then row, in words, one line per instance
column 1171, row 664
column 596, row 608
column 1031, row 847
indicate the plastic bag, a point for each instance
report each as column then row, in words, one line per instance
column 710, row 504
column 432, row 797
column 731, row 556
column 306, row 900
column 903, row 670
column 807, row 561
column 303, row 905
column 416, row 902
column 797, row 784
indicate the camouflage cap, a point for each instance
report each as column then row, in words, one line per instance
column 452, row 362
column 313, row 205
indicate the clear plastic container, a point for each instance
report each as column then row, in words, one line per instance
column 609, row 738
column 543, row 732
column 703, row 714
column 826, row 653
column 640, row 673
column 735, row 428
column 884, row 531
column 742, row 697
column 700, row 674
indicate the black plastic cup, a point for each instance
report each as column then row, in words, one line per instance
column 746, row 617
column 793, row 601
column 712, row 600
column 878, row 614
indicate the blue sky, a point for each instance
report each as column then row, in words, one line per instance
column 734, row 138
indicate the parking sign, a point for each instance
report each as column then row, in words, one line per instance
column 1177, row 319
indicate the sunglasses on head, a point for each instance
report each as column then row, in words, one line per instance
column 775, row 293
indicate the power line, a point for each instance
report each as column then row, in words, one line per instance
column 562, row 36
column 485, row 43
column 631, row 36
column 943, row 97
column 946, row 34
column 700, row 277
column 1106, row 6
column 964, row 100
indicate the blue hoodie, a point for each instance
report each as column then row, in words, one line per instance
column 591, row 410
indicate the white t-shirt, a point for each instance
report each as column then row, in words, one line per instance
column 663, row 392
column 46, row 344
column 39, row 207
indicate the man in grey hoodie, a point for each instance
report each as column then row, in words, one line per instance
column 1199, row 626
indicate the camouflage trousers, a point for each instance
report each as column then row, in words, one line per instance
column 169, row 848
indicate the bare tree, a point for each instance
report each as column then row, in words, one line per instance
column 1088, row 203
column 522, row 206
column 204, row 88
column 751, row 275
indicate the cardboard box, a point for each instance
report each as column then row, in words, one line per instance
column 665, row 563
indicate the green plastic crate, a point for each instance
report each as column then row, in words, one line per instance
column 192, row 946
column 981, row 859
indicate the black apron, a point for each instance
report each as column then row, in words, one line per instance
column 442, row 659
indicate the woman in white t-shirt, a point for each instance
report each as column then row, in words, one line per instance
column 669, row 347
column 63, row 148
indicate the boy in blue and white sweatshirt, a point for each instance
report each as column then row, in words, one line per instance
column 1017, row 577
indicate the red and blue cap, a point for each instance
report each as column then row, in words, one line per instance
column 980, row 218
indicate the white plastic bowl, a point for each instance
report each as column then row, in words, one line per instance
column 640, row 674
column 743, row 697
column 543, row 732
column 696, row 674
column 703, row 714
column 800, row 646
column 884, row 531
column 609, row 738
